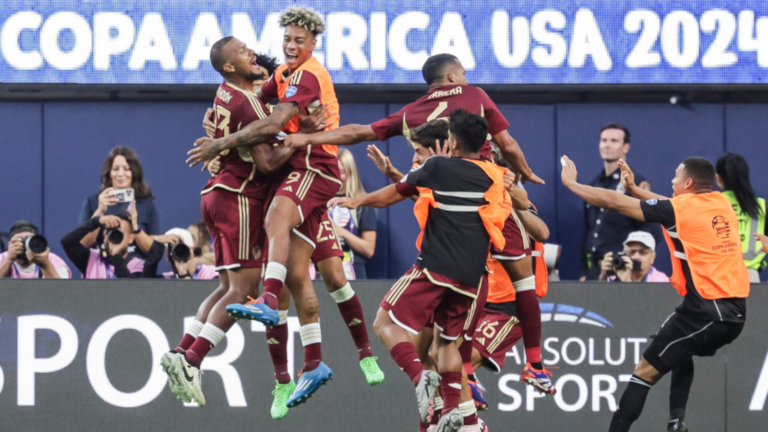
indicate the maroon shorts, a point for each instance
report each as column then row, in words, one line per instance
column 236, row 223
column 495, row 336
column 477, row 307
column 518, row 245
column 420, row 295
column 309, row 190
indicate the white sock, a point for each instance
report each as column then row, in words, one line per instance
column 283, row 314
column 275, row 270
column 467, row 408
column 343, row 294
column 526, row 284
column 310, row 334
column 212, row 333
column 193, row 329
column 438, row 403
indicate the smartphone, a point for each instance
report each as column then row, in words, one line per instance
column 123, row 195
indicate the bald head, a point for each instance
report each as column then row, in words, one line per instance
column 219, row 55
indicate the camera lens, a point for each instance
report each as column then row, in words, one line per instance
column 180, row 252
column 115, row 236
column 197, row 252
column 617, row 263
column 37, row 244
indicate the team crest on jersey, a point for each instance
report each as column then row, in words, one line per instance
column 256, row 252
column 290, row 91
column 224, row 95
column 721, row 226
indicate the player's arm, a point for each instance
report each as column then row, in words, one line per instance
column 512, row 153
column 346, row 135
column 602, row 198
column 384, row 197
column 255, row 133
column 534, row 226
column 628, row 181
column 269, row 159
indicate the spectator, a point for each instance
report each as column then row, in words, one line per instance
column 185, row 264
column 111, row 259
column 639, row 255
column 605, row 230
column 15, row 263
column 356, row 228
column 732, row 173
column 123, row 170
column 202, row 240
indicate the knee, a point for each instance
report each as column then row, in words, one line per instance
column 380, row 323
column 336, row 280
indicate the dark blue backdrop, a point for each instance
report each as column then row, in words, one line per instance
column 52, row 154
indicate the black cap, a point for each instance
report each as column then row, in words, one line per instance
column 24, row 226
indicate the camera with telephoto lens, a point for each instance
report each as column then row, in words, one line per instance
column 115, row 236
column 36, row 244
column 618, row 263
column 181, row 252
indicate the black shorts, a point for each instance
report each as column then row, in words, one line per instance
column 682, row 336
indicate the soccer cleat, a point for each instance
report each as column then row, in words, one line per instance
column 254, row 310
column 676, row 425
column 281, row 393
column 187, row 378
column 308, row 384
column 425, row 391
column 432, row 428
column 173, row 383
column 539, row 379
column 451, row 422
column 373, row 373
column 477, row 395
column 483, row 425
column 479, row 427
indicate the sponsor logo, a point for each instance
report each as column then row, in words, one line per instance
column 186, row 375
column 290, row 91
column 721, row 226
column 272, row 341
column 575, row 314
column 652, row 201
column 354, row 322
column 256, row 252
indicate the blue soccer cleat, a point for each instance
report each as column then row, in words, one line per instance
column 256, row 311
column 477, row 395
column 308, row 384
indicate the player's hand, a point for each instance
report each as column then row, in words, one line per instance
column 569, row 173
column 205, row 150
column 530, row 177
column 41, row 259
column 348, row 202
column 296, row 140
column 109, row 221
column 106, row 199
column 15, row 248
column 171, row 239
column 444, row 150
column 509, row 179
column 519, row 197
column 208, row 122
column 762, row 239
column 382, row 162
column 214, row 166
column 627, row 176
column 317, row 121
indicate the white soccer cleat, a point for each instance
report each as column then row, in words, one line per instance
column 188, row 379
column 451, row 422
column 425, row 390
column 173, row 383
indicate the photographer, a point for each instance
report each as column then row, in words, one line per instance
column 635, row 264
column 186, row 259
column 21, row 261
column 111, row 259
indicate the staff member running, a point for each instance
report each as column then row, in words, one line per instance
column 701, row 229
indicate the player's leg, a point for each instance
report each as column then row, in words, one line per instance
column 283, row 215
column 277, row 341
column 633, row 400
column 450, row 366
column 679, row 389
column 314, row 372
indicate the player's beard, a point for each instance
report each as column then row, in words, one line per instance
column 257, row 76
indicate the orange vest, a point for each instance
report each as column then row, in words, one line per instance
column 708, row 228
column 500, row 288
column 327, row 93
column 493, row 214
column 540, row 270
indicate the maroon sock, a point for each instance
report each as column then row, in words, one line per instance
column 423, row 426
column 186, row 342
column 436, row 412
column 470, row 420
column 352, row 313
column 313, row 355
column 450, row 390
column 465, row 351
column 272, row 288
column 197, row 352
column 405, row 356
column 529, row 314
column 277, row 340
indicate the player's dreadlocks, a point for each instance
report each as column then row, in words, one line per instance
column 303, row 17
column 267, row 62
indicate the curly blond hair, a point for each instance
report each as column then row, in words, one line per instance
column 303, row 17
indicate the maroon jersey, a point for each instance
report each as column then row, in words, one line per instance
column 439, row 103
column 235, row 109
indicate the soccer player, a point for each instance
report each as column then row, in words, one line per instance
column 448, row 90
column 302, row 85
column 462, row 191
column 708, row 271
column 232, row 206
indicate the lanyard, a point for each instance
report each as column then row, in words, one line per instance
column 17, row 273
